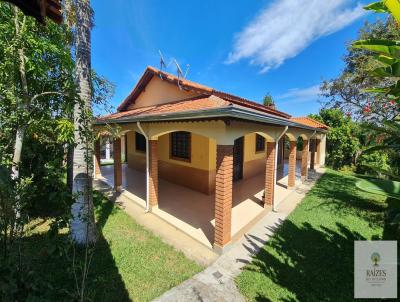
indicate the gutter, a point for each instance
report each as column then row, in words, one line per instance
column 276, row 165
column 147, row 168
column 228, row 111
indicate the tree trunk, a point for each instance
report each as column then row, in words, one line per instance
column 82, row 225
column 24, row 105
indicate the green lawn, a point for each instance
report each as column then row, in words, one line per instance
column 129, row 263
column 310, row 258
column 380, row 186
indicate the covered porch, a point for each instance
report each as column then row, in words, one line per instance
column 213, row 180
column 192, row 212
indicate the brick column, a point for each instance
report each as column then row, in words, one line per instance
column 292, row 165
column 153, row 181
column 97, row 156
column 117, row 164
column 318, row 152
column 223, row 196
column 270, row 174
column 304, row 160
column 312, row 159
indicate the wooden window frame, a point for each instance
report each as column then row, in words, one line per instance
column 264, row 140
column 136, row 144
column 171, row 156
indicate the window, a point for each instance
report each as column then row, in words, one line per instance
column 260, row 143
column 180, row 145
column 140, row 141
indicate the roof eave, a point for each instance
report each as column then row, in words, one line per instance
column 222, row 112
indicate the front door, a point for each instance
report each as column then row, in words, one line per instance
column 238, row 159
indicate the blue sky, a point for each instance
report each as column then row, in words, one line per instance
column 247, row 48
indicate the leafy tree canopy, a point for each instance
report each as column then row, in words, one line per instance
column 347, row 91
column 268, row 100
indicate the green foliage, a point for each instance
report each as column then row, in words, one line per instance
column 366, row 162
column 351, row 90
column 126, row 257
column 268, row 100
column 300, row 143
column 342, row 138
column 301, row 252
column 44, row 111
column 378, row 7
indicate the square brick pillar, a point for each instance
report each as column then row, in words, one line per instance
column 153, row 180
column 312, row 159
column 270, row 170
column 97, row 157
column 117, row 164
column 223, row 196
column 304, row 160
column 292, row 165
column 318, row 152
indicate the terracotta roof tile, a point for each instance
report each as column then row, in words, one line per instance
column 192, row 86
column 307, row 121
column 197, row 103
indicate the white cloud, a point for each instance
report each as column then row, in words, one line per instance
column 297, row 95
column 286, row 27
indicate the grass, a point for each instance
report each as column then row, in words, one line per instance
column 310, row 257
column 380, row 186
column 129, row 263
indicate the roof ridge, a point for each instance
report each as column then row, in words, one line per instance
column 146, row 77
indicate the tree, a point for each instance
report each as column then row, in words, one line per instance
column 384, row 51
column 83, row 228
column 36, row 74
column 342, row 141
column 268, row 100
column 348, row 91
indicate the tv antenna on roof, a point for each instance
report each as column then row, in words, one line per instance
column 162, row 61
column 180, row 72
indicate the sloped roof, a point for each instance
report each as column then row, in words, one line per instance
column 208, row 104
column 195, row 87
column 190, row 104
column 307, row 121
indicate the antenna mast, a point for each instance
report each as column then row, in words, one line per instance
column 180, row 72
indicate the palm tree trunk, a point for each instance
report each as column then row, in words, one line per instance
column 82, row 225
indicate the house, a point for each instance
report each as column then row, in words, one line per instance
column 206, row 161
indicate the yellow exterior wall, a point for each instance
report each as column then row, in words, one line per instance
column 250, row 148
column 253, row 162
column 200, row 158
column 198, row 174
column 136, row 159
column 160, row 92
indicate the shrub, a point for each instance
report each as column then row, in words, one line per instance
column 366, row 161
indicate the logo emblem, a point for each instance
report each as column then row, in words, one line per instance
column 375, row 257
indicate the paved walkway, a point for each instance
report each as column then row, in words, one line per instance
column 216, row 283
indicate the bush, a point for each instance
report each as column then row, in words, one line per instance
column 366, row 161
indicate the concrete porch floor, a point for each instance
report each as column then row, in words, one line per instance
column 192, row 212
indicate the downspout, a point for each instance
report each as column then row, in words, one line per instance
column 147, row 167
column 309, row 142
column 276, row 164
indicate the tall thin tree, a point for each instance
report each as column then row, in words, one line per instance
column 83, row 229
